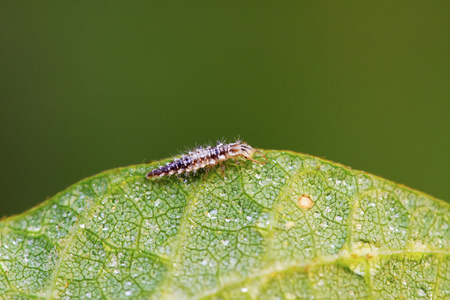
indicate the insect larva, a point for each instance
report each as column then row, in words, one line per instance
column 205, row 157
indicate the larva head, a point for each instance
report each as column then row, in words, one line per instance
column 247, row 151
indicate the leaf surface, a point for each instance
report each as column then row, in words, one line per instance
column 298, row 227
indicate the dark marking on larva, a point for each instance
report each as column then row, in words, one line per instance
column 201, row 158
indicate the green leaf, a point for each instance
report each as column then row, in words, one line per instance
column 296, row 227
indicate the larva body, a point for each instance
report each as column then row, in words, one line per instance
column 205, row 157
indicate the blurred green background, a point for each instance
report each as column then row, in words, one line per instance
column 85, row 87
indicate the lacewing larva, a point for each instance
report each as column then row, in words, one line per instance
column 206, row 157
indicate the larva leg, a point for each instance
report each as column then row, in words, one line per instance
column 206, row 173
column 222, row 167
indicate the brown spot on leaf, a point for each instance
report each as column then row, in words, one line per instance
column 305, row 202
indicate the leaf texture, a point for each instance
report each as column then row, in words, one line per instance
column 298, row 227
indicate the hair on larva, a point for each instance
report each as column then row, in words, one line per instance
column 206, row 157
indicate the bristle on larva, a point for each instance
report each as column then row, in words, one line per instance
column 205, row 157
